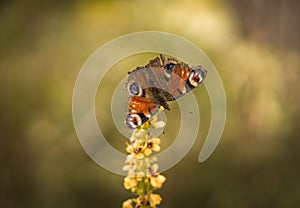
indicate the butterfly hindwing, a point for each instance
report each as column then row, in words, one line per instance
column 140, row 110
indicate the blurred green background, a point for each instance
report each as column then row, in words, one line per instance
column 255, row 47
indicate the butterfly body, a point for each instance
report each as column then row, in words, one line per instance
column 154, row 85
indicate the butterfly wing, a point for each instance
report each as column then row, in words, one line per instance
column 183, row 79
column 140, row 111
column 149, row 82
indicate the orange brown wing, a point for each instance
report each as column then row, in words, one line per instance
column 140, row 110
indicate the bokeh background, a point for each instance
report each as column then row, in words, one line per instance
column 255, row 47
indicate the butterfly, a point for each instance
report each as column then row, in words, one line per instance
column 151, row 87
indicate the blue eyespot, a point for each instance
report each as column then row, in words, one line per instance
column 134, row 89
column 170, row 67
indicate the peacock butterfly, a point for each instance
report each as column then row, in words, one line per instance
column 154, row 85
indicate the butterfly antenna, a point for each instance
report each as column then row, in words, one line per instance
column 163, row 60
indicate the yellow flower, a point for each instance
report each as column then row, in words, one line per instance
column 138, row 202
column 155, row 199
column 140, row 175
column 139, row 155
column 127, row 204
column 129, row 148
column 130, row 182
column 136, row 148
column 153, row 144
column 157, row 181
column 147, row 152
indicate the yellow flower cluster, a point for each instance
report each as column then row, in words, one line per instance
column 141, row 149
column 152, row 201
column 142, row 170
